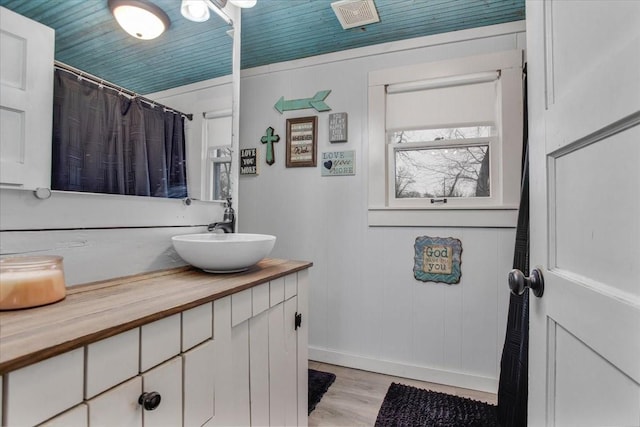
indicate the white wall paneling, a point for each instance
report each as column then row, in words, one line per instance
column 100, row 254
column 366, row 310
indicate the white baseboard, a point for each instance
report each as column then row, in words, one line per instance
column 398, row 369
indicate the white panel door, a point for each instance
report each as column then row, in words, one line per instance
column 26, row 101
column 584, row 115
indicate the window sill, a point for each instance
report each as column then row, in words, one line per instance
column 490, row 217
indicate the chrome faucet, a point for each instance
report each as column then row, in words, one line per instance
column 228, row 223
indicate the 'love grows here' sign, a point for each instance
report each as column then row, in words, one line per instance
column 437, row 259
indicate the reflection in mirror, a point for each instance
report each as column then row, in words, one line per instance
column 217, row 165
column 186, row 55
column 221, row 178
column 105, row 141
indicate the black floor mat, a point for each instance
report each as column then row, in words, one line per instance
column 410, row 406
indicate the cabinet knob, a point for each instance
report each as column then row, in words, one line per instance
column 150, row 401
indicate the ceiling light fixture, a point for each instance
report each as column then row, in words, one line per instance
column 140, row 18
column 195, row 10
column 198, row 10
column 245, row 4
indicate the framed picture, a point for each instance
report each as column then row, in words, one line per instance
column 438, row 259
column 302, row 146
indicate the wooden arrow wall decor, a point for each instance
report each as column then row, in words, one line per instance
column 317, row 102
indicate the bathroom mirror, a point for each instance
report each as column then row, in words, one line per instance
column 88, row 38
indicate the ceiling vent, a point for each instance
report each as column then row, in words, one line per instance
column 355, row 13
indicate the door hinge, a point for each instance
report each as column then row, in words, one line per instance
column 298, row 320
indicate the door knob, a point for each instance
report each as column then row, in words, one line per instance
column 518, row 282
column 150, row 401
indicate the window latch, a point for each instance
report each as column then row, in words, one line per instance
column 443, row 200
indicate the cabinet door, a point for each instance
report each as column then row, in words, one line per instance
column 111, row 361
column 241, row 410
column 283, row 360
column 34, row 393
column 259, row 368
column 166, row 380
column 75, row 417
column 118, row 406
column 290, row 379
column 302, row 335
column 199, row 385
column 159, row 341
column 197, row 325
column 231, row 363
column 223, row 361
column 26, row 101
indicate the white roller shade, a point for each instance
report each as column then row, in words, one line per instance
column 425, row 108
column 218, row 131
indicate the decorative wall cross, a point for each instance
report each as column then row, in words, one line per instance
column 269, row 138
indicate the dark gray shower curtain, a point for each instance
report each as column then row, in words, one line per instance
column 514, row 365
column 104, row 142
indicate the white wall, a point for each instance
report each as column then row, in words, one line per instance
column 366, row 309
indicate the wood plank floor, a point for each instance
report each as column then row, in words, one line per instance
column 355, row 397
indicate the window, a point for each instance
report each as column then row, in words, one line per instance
column 440, row 164
column 445, row 136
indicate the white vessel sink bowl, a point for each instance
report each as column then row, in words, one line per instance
column 223, row 253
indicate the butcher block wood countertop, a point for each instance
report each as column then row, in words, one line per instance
column 99, row 310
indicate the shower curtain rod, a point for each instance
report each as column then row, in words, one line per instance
column 101, row 82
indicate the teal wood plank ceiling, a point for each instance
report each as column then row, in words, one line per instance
column 88, row 38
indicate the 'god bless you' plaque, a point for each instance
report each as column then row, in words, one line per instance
column 437, row 259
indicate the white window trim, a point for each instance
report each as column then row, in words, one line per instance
column 505, row 184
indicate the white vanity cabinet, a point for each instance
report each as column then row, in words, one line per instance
column 118, row 375
column 237, row 360
column 261, row 354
